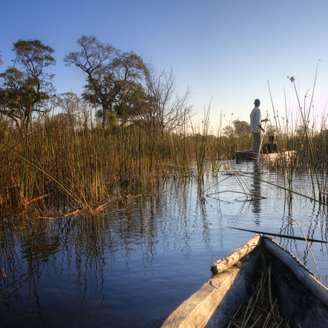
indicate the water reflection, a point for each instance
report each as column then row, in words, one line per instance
column 256, row 190
column 315, row 227
column 81, row 262
column 129, row 267
column 201, row 205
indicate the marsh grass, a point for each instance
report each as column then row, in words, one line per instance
column 67, row 170
column 200, row 137
column 307, row 139
column 56, row 169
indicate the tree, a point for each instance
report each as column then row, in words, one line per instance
column 27, row 90
column 229, row 131
column 69, row 102
column 75, row 111
column 164, row 109
column 131, row 103
column 241, row 128
column 113, row 76
column 238, row 129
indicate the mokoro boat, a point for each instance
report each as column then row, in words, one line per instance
column 260, row 281
column 249, row 155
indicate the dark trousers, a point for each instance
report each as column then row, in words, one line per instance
column 256, row 142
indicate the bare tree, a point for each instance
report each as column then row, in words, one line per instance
column 69, row 103
column 165, row 110
column 74, row 108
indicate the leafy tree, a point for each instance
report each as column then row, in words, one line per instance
column 132, row 102
column 238, row 129
column 241, row 128
column 27, row 89
column 114, row 78
column 229, row 131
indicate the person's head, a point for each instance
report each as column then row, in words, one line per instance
column 271, row 138
column 257, row 102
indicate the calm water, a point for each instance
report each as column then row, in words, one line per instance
column 132, row 268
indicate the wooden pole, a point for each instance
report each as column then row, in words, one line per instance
column 262, row 137
column 282, row 236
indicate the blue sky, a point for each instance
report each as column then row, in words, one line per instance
column 224, row 51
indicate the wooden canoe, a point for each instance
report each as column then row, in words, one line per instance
column 249, row 155
column 290, row 294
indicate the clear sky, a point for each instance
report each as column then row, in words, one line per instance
column 224, row 51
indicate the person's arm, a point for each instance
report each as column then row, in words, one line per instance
column 264, row 120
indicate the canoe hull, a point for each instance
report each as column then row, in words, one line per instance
column 301, row 298
column 245, row 155
column 249, row 155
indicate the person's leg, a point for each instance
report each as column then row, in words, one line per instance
column 256, row 142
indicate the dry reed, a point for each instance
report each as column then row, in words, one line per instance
column 262, row 309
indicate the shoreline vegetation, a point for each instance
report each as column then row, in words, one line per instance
column 89, row 170
column 57, row 170
column 64, row 155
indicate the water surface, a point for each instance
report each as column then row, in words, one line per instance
column 131, row 268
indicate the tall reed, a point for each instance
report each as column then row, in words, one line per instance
column 61, row 168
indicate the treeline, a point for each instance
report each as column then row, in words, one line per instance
column 119, row 87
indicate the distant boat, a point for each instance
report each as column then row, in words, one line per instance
column 258, row 283
column 249, row 155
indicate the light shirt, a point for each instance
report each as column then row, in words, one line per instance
column 255, row 120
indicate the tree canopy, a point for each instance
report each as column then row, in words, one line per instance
column 119, row 88
column 238, row 128
column 114, row 79
column 26, row 88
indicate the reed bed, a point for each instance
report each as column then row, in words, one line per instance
column 311, row 155
column 299, row 131
column 56, row 169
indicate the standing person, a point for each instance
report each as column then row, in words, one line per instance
column 256, row 126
